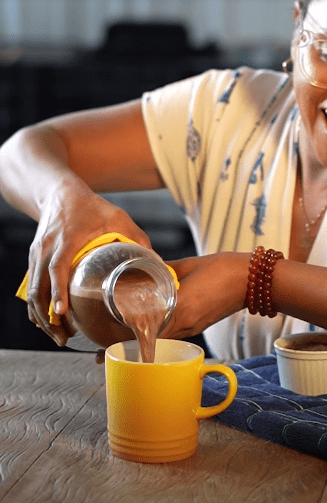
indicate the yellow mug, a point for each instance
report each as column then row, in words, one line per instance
column 154, row 408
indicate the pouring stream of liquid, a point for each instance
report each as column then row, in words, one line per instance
column 143, row 309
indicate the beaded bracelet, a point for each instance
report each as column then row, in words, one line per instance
column 252, row 278
column 260, row 277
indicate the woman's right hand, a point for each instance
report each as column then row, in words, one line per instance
column 71, row 216
column 49, row 172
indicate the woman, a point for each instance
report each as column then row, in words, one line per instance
column 243, row 152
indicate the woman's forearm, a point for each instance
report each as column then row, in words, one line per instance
column 214, row 286
column 300, row 290
column 102, row 149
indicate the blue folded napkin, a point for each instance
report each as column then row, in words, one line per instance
column 262, row 407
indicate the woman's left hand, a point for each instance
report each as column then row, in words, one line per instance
column 212, row 287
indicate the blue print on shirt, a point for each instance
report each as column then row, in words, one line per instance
column 260, row 205
column 193, row 142
column 293, row 113
column 296, row 148
column 224, row 98
column 241, row 336
column 258, row 165
column 224, row 171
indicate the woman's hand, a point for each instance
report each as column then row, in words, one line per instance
column 72, row 216
column 51, row 171
column 212, row 288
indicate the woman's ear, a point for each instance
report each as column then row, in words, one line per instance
column 297, row 9
column 296, row 18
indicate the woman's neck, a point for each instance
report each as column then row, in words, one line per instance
column 313, row 177
column 310, row 201
column 312, row 171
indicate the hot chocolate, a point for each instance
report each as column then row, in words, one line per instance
column 143, row 309
column 307, row 346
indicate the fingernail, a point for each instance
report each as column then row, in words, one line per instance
column 59, row 306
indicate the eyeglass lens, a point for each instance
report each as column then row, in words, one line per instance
column 313, row 58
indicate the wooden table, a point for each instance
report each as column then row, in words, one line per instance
column 53, row 447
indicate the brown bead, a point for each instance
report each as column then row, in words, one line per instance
column 260, row 277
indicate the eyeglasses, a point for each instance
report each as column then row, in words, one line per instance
column 312, row 53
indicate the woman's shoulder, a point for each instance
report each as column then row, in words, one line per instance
column 244, row 75
column 225, row 86
column 242, row 88
column 220, row 84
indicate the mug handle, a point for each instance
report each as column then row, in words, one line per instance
column 206, row 412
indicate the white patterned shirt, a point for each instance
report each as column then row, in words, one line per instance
column 226, row 145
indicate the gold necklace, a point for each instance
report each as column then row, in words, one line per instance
column 310, row 235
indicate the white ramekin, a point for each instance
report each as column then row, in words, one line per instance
column 304, row 372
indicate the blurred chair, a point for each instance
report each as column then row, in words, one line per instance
column 148, row 42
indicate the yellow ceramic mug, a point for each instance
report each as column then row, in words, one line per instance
column 154, row 408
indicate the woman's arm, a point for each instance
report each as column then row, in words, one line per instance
column 300, row 290
column 51, row 171
column 107, row 148
column 214, row 287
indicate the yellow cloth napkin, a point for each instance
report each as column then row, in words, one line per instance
column 110, row 237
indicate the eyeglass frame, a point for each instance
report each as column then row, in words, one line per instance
column 305, row 46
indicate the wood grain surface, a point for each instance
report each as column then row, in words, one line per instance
column 53, row 447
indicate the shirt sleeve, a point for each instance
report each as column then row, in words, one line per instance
column 178, row 119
